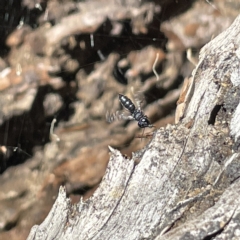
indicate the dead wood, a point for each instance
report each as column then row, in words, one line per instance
column 186, row 184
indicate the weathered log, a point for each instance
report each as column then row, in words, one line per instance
column 184, row 184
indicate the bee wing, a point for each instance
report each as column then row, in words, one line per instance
column 119, row 115
column 138, row 102
column 138, row 97
column 125, row 115
column 110, row 117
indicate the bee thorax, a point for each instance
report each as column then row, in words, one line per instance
column 137, row 115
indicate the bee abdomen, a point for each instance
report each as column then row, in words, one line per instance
column 127, row 103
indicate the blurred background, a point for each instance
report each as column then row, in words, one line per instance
column 62, row 65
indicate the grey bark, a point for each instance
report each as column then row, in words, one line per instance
column 185, row 183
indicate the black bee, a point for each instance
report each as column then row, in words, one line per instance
column 136, row 113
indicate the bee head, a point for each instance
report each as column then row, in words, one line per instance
column 144, row 122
